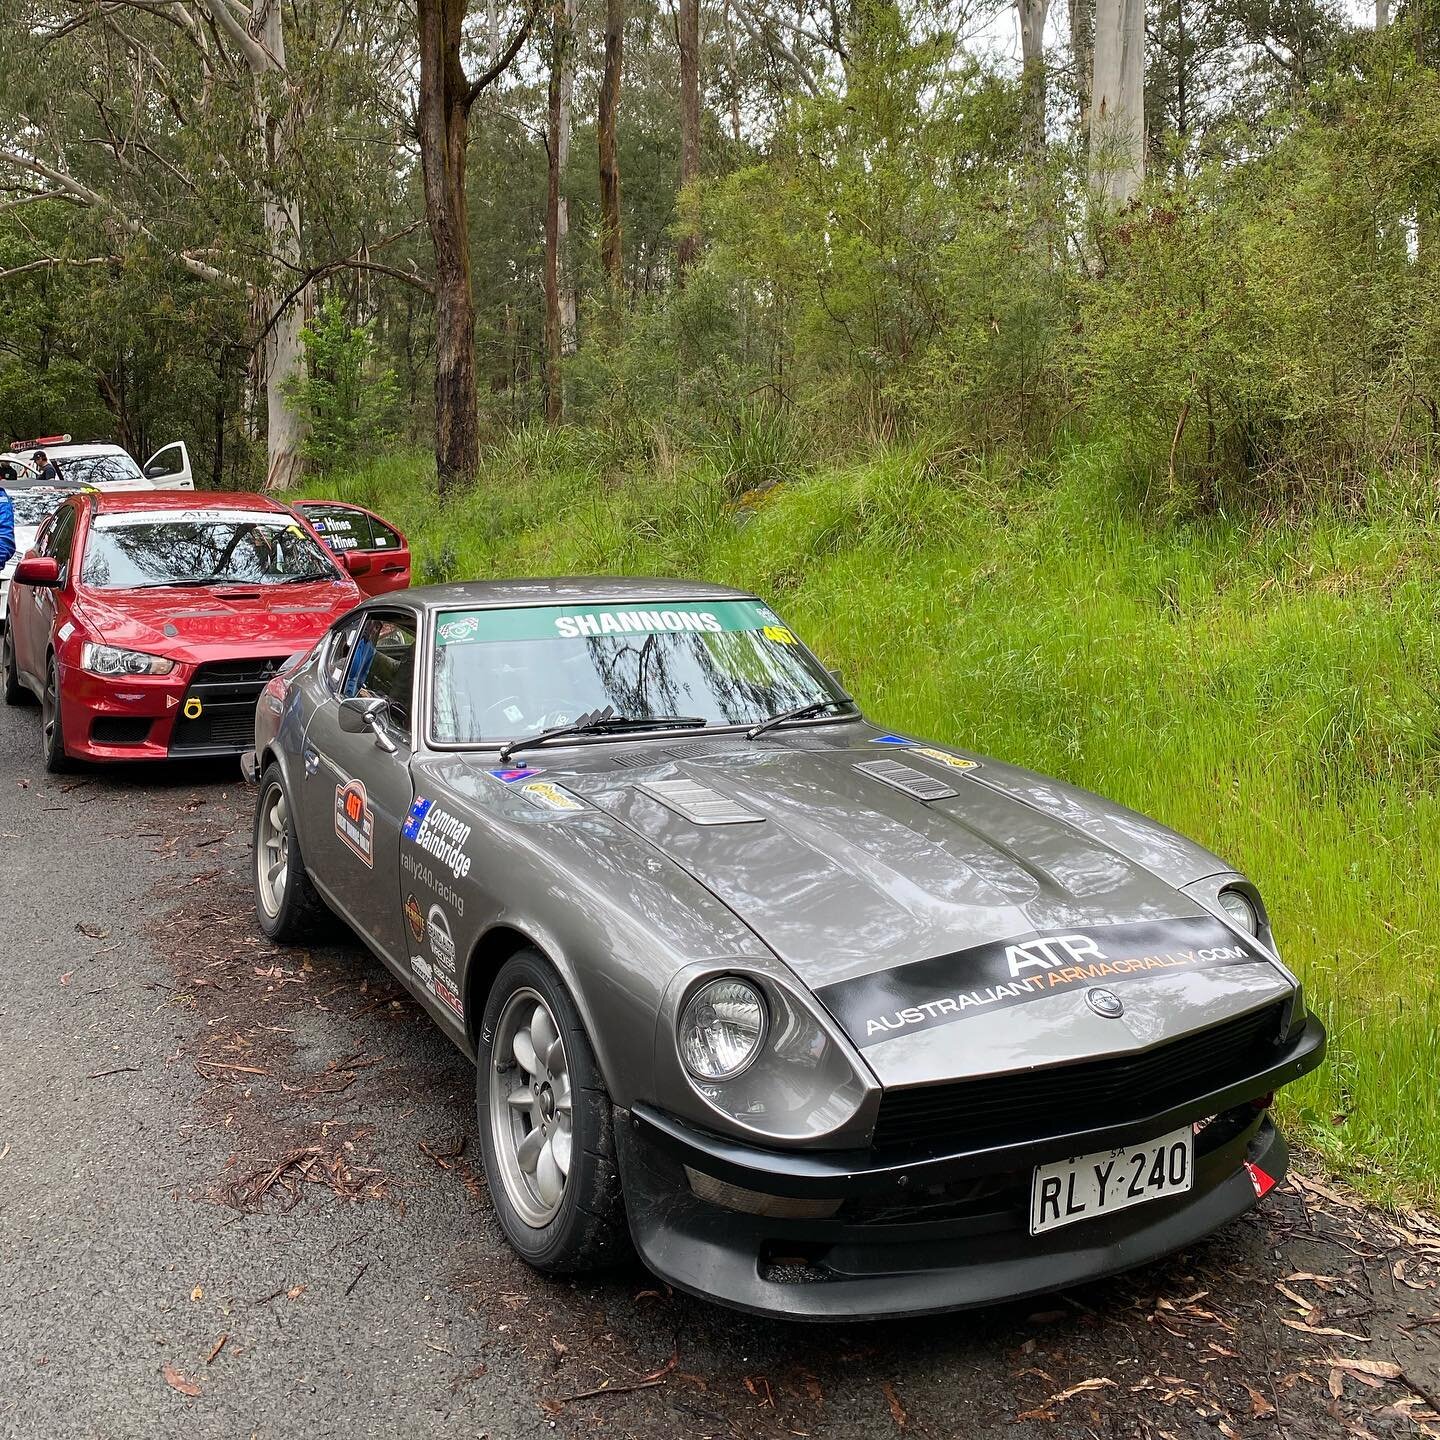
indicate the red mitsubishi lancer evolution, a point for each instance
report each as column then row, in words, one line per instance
column 147, row 623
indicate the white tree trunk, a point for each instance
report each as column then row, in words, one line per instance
column 1117, row 102
column 1382, row 14
column 568, row 304
column 282, row 356
column 1032, row 79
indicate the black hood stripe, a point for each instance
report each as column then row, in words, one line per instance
column 1002, row 973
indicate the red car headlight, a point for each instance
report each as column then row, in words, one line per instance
column 107, row 660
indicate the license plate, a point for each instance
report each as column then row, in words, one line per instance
column 1113, row 1180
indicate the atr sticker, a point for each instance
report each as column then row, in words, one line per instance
column 415, row 918
column 551, row 797
column 355, row 821
column 439, row 833
column 996, row 976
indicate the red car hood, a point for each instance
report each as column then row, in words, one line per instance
column 226, row 622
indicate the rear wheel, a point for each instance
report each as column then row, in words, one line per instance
column 286, row 902
column 52, row 732
column 15, row 692
column 545, row 1124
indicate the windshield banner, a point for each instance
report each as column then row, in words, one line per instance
column 572, row 622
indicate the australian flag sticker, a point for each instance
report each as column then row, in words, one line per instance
column 416, row 818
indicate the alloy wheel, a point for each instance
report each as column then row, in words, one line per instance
column 272, row 850
column 530, row 1107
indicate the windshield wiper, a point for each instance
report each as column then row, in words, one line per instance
column 603, row 722
column 800, row 712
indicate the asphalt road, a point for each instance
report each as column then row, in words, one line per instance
column 237, row 1199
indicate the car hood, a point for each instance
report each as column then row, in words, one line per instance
column 193, row 625
column 884, row 903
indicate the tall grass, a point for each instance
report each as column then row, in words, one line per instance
column 1274, row 693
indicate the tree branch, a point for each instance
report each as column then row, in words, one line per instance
column 87, row 196
column 489, row 76
column 51, row 262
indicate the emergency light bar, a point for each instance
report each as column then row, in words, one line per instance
column 41, row 443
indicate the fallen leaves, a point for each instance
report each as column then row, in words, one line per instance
column 898, row 1412
column 178, row 1382
column 217, row 1347
column 1046, row 1410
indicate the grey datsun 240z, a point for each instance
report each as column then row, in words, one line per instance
column 834, row 1023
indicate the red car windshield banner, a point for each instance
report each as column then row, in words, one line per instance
column 1002, row 973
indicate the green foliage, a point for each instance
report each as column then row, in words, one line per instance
column 347, row 394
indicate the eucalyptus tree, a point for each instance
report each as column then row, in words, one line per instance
column 201, row 132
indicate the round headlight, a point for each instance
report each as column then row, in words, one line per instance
column 1240, row 910
column 722, row 1029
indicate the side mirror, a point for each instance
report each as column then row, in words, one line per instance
column 360, row 713
column 155, row 472
column 42, row 570
column 356, row 564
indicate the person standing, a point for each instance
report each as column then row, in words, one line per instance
column 46, row 472
column 7, row 516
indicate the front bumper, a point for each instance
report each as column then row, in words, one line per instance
column 931, row 1233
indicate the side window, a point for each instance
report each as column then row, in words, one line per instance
column 340, row 527
column 338, row 654
column 383, row 666
column 59, row 536
column 384, row 537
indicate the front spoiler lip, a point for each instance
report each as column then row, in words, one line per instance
column 827, row 1174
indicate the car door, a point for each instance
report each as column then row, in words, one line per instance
column 351, row 530
column 356, row 791
column 34, row 608
column 389, row 555
column 169, row 468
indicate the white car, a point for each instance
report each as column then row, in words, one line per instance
column 33, row 507
column 105, row 467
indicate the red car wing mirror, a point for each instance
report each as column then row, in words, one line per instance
column 356, row 564
column 41, row 570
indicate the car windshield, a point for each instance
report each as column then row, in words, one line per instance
column 190, row 547
column 97, row 469
column 34, row 507
column 502, row 674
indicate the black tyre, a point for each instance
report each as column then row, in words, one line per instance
column 15, row 692
column 545, row 1124
column 286, row 903
column 52, row 732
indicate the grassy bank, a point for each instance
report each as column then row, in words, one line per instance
column 1274, row 692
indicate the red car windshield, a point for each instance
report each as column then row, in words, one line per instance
column 142, row 551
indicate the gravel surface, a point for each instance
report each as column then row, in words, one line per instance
column 239, row 1197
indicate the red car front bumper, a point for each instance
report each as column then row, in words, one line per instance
column 195, row 711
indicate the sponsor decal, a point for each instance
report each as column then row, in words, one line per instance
column 342, row 542
column 508, row 776
column 423, row 972
column 586, row 622
column 955, row 762
column 193, row 709
column 439, row 834
column 1003, row 973
column 320, row 526
column 171, row 702
column 355, row 820
column 446, row 992
column 457, row 632
column 65, row 632
column 418, row 871
column 890, row 740
column 415, row 918
column 442, row 942
column 551, row 797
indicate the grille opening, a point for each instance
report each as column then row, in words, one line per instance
column 228, row 691
column 1090, row 1095
column 794, row 1262
column 120, row 730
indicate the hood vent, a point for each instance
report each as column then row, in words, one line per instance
column 698, row 803
column 642, row 758
column 907, row 778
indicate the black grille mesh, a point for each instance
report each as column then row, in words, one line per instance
column 1057, row 1099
